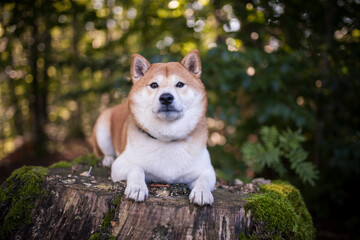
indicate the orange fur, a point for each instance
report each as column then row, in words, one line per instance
column 116, row 117
column 119, row 116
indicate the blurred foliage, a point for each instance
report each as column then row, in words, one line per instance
column 288, row 64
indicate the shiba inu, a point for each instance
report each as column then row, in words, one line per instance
column 159, row 134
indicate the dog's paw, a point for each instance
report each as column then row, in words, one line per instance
column 108, row 161
column 201, row 196
column 137, row 192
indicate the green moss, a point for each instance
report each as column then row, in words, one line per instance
column 62, row 164
column 89, row 160
column 105, row 229
column 102, row 236
column 242, row 236
column 17, row 197
column 279, row 212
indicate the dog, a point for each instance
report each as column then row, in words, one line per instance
column 159, row 133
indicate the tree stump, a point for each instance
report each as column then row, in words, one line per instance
column 72, row 205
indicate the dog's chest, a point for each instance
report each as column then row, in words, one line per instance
column 164, row 161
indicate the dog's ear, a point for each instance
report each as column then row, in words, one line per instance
column 139, row 66
column 192, row 62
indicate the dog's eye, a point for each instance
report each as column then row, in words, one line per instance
column 180, row 84
column 154, row 85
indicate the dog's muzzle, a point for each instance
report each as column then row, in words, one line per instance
column 167, row 106
column 167, row 109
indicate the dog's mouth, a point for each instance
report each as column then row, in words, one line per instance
column 169, row 113
column 168, row 109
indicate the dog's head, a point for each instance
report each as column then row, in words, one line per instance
column 167, row 99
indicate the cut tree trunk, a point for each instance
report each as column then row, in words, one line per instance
column 73, row 206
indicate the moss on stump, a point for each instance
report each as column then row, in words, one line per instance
column 17, row 198
column 88, row 160
column 279, row 212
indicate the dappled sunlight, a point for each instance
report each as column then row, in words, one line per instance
column 216, row 129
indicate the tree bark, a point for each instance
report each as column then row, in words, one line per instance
column 76, row 207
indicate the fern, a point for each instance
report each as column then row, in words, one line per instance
column 269, row 135
column 275, row 148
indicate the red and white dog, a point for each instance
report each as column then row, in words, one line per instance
column 159, row 134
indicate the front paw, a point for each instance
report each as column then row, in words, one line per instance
column 137, row 192
column 201, row 196
column 108, row 161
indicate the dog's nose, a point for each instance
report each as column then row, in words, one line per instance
column 166, row 98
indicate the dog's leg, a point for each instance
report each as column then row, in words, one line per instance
column 202, row 188
column 136, row 188
column 103, row 139
column 204, row 183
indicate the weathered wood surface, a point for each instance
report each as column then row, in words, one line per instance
column 75, row 206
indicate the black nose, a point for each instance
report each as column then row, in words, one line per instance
column 166, row 98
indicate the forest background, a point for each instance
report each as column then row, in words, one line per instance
column 282, row 80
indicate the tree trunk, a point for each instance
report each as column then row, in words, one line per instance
column 76, row 130
column 35, row 98
column 76, row 207
column 65, row 203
